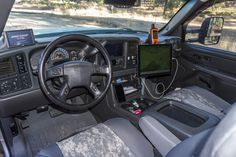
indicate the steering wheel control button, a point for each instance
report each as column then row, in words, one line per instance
column 56, row 71
column 66, row 92
column 101, row 70
column 95, row 91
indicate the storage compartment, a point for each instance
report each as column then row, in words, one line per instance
column 182, row 115
column 181, row 119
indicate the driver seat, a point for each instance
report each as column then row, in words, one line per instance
column 116, row 137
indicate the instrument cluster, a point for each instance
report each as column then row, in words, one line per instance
column 123, row 54
column 57, row 56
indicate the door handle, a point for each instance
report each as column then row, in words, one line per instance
column 205, row 81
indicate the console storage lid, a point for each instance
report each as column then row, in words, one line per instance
column 181, row 119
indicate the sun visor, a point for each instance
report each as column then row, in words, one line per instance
column 5, row 9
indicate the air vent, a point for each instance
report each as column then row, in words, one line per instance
column 6, row 67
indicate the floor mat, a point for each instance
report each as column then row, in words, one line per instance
column 44, row 130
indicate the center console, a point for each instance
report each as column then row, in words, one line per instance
column 136, row 106
column 181, row 119
column 127, row 94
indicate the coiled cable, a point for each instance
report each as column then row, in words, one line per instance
column 161, row 94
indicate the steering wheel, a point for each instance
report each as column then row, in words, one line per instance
column 75, row 73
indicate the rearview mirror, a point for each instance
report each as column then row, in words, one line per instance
column 211, row 30
column 122, row 3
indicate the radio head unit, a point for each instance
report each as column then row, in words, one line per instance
column 116, row 52
column 115, row 48
column 123, row 53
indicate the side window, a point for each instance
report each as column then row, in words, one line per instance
column 224, row 38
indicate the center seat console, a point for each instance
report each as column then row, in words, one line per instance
column 181, row 119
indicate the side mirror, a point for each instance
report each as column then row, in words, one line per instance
column 211, row 31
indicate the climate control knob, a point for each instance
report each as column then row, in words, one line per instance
column 113, row 61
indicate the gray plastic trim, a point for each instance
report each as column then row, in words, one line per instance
column 4, row 146
column 158, row 134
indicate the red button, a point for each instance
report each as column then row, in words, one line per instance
column 138, row 112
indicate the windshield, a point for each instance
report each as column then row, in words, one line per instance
column 68, row 15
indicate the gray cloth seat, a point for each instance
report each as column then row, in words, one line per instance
column 114, row 138
column 200, row 98
column 118, row 138
column 215, row 142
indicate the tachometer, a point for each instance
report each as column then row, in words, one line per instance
column 60, row 54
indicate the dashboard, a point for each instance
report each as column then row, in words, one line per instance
column 19, row 86
column 123, row 53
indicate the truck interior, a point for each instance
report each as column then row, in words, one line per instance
column 108, row 78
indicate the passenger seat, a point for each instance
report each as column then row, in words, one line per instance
column 200, row 98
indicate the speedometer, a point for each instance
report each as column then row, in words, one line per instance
column 60, row 54
column 34, row 61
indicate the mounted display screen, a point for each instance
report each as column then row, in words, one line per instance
column 19, row 38
column 115, row 49
column 6, row 67
column 155, row 59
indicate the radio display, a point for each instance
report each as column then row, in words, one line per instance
column 20, row 38
column 115, row 49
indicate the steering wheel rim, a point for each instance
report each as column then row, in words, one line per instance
column 43, row 78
